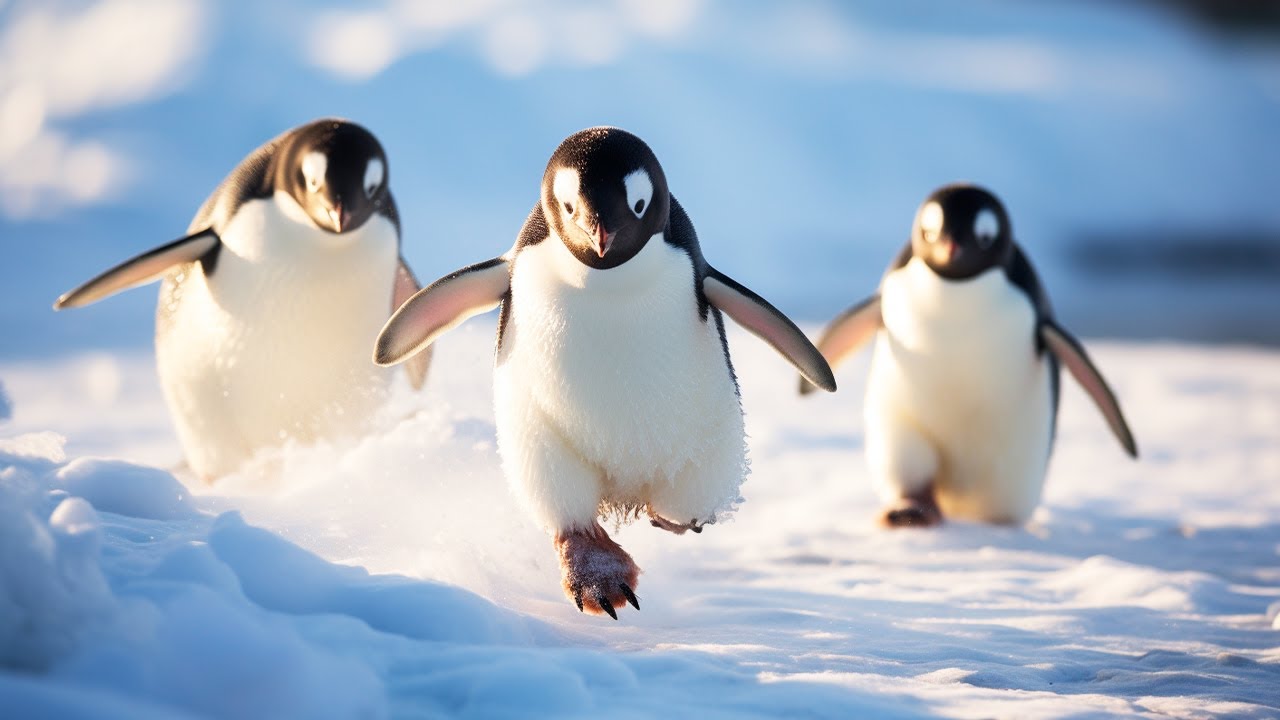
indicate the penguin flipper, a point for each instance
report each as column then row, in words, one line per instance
column 150, row 265
column 406, row 286
column 769, row 324
column 1071, row 353
column 440, row 307
column 847, row 333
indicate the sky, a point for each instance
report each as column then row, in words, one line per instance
column 1134, row 148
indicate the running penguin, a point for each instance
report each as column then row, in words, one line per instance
column 962, row 395
column 613, row 389
column 269, row 303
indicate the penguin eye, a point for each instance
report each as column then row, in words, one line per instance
column 931, row 222
column 314, row 165
column 639, row 190
column 986, row 226
column 566, row 184
column 374, row 173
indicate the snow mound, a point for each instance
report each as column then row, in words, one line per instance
column 126, row 489
column 112, row 581
column 52, row 591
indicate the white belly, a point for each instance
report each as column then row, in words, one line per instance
column 956, row 365
column 631, row 378
column 276, row 345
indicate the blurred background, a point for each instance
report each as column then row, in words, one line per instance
column 1136, row 144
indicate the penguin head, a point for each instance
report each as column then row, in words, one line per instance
column 337, row 173
column 961, row 231
column 604, row 195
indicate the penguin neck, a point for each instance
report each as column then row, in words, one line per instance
column 631, row 276
column 293, row 223
column 276, row 231
column 935, row 294
column 923, row 310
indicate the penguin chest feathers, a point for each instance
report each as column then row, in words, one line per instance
column 280, row 332
column 305, row 294
column 620, row 361
column 961, row 352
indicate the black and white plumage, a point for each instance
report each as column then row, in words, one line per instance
column 268, row 305
column 613, row 386
column 962, row 394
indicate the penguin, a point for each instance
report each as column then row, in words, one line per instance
column 962, row 396
column 614, row 392
column 268, row 304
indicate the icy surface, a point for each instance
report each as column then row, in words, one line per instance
column 394, row 576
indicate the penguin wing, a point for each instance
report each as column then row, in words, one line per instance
column 1071, row 353
column 246, row 181
column 406, row 286
column 767, row 323
column 440, row 307
column 847, row 333
column 150, row 265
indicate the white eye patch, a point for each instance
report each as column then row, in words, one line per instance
column 374, row 173
column 639, row 191
column 314, row 165
column 931, row 221
column 986, row 225
column 566, row 186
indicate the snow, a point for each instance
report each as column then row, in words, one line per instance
column 395, row 576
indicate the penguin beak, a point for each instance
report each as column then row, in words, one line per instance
column 601, row 239
column 339, row 216
column 949, row 250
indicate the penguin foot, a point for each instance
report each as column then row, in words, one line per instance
column 596, row 573
column 660, row 522
column 916, row 510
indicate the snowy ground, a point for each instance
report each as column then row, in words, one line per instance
column 394, row 576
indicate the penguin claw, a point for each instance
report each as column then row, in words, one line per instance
column 917, row 510
column 596, row 574
column 606, row 606
column 630, row 594
column 662, row 523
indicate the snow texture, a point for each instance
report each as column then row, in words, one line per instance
column 397, row 577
